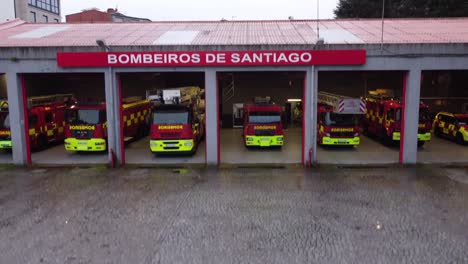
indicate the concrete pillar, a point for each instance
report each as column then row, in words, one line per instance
column 409, row 136
column 113, row 114
column 211, row 118
column 310, row 115
column 16, row 112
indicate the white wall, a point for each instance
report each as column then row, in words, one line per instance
column 7, row 10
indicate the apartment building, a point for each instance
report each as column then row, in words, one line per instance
column 34, row 11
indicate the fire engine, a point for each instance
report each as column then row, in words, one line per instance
column 46, row 120
column 86, row 128
column 177, row 123
column 338, row 119
column 383, row 117
column 453, row 126
column 262, row 124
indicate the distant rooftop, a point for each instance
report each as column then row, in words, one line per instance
column 18, row 33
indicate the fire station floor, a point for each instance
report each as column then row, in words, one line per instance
column 138, row 153
column 443, row 151
column 6, row 157
column 57, row 155
column 369, row 152
column 233, row 150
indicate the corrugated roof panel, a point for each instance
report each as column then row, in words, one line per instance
column 21, row 34
column 41, row 32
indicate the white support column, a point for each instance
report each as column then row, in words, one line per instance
column 113, row 116
column 409, row 138
column 212, row 118
column 16, row 113
column 310, row 116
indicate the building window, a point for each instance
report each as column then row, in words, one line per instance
column 48, row 5
column 33, row 16
column 46, row 19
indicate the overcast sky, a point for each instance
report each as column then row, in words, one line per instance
column 208, row 9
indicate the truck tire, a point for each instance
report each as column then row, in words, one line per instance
column 437, row 132
column 459, row 139
column 42, row 142
column 421, row 143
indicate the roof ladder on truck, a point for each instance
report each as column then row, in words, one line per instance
column 342, row 104
column 48, row 99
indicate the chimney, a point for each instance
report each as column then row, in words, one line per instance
column 111, row 11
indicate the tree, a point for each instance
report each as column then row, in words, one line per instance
column 401, row 8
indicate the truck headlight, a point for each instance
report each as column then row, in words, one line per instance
column 280, row 139
column 153, row 144
column 356, row 134
column 327, row 134
column 188, row 144
column 249, row 139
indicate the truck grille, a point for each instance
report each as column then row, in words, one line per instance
column 170, row 134
column 342, row 134
column 82, row 133
column 264, row 132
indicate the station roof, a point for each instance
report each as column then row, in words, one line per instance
column 17, row 33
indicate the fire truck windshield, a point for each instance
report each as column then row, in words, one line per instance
column 4, row 120
column 264, row 117
column 86, row 116
column 170, row 118
column 333, row 119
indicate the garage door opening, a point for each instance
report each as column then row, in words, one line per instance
column 446, row 97
column 261, row 117
column 66, row 108
column 163, row 117
column 359, row 117
column 5, row 133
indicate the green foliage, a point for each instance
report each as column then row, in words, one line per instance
column 401, row 8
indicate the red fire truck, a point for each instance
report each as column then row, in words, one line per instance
column 86, row 128
column 177, row 121
column 338, row 119
column 383, row 117
column 262, row 124
column 45, row 121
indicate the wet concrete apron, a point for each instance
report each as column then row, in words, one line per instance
column 292, row 215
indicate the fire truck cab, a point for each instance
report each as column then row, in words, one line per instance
column 46, row 120
column 338, row 119
column 176, row 126
column 262, row 124
column 86, row 128
column 384, row 115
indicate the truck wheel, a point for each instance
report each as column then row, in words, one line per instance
column 42, row 142
column 460, row 139
column 437, row 132
column 421, row 143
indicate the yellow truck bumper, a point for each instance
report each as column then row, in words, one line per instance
column 464, row 133
column 93, row 144
column 424, row 137
column 264, row 141
column 421, row 137
column 341, row 141
column 5, row 144
column 168, row 146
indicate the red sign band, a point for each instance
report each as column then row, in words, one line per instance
column 217, row 58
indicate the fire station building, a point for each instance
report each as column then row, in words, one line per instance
column 418, row 66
